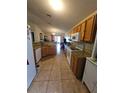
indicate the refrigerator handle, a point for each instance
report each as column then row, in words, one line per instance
column 27, row 62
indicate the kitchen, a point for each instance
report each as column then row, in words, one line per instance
column 33, row 31
column 73, row 69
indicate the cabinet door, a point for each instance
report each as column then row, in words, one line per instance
column 75, row 64
column 44, row 51
column 79, row 28
column 72, row 60
column 82, row 31
column 75, row 30
column 89, row 29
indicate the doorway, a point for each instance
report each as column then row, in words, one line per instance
column 58, row 39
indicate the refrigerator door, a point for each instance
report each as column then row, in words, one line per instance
column 31, row 70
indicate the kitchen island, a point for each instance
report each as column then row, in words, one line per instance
column 48, row 48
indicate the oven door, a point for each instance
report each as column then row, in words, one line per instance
column 68, row 55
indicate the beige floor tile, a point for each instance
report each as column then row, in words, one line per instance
column 67, row 86
column 78, row 87
column 46, row 67
column 38, row 87
column 54, row 87
column 64, row 67
column 55, row 75
column 47, row 62
column 56, row 67
column 43, row 75
column 67, row 74
column 73, row 86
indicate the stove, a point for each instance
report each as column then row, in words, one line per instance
column 70, row 50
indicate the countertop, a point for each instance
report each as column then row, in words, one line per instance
column 36, row 45
column 48, row 44
column 40, row 45
column 81, row 54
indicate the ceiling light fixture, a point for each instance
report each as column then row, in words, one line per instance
column 56, row 4
column 53, row 33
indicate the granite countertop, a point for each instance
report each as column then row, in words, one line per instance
column 45, row 44
column 36, row 45
column 48, row 44
column 81, row 54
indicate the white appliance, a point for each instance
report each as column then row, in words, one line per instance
column 90, row 75
column 94, row 52
column 31, row 69
column 69, row 53
column 38, row 54
column 75, row 37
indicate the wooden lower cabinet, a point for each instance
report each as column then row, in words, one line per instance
column 77, row 66
column 45, row 51
column 52, row 50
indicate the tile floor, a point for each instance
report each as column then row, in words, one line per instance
column 55, row 76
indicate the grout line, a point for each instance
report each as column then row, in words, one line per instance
column 49, row 78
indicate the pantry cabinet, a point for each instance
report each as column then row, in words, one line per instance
column 90, row 29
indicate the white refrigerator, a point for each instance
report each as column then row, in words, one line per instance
column 31, row 69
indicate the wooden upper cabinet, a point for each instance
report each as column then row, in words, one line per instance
column 74, row 30
column 87, row 28
column 79, row 28
column 82, row 30
column 90, row 28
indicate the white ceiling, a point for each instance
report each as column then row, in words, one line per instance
column 60, row 21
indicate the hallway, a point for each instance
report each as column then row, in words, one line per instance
column 55, row 76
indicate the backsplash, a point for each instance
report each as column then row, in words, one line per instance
column 88, row 46
column 85, row 46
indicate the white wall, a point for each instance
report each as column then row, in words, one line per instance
column 35, row 28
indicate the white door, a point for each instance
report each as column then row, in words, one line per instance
column 31, row 70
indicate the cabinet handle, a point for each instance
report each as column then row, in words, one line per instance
column 27, row 62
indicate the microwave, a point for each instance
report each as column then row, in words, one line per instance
column 75, row 37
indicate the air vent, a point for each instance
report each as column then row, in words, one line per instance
column 49, row 23
column 48, row 15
